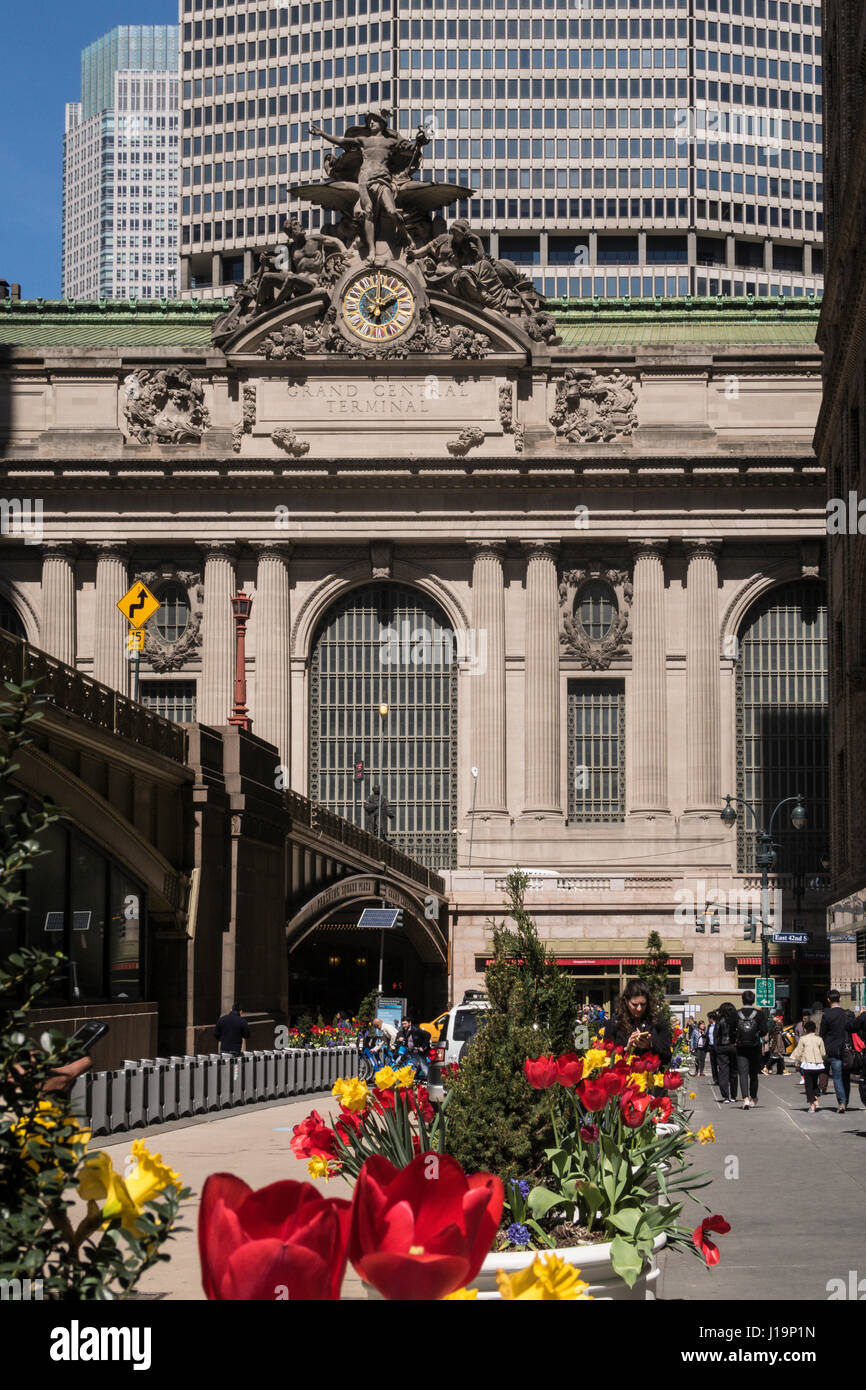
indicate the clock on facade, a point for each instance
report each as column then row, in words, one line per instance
column 378, row 305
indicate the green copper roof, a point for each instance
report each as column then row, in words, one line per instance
column 186, row 323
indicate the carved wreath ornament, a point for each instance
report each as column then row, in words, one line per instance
column 596, row 653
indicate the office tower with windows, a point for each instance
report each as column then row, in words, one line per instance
column 617, row 147
column 120, row 168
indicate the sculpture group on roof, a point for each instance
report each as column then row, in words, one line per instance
column 386, row 217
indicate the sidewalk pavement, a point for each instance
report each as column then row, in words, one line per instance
column 792, row 1185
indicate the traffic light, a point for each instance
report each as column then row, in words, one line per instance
column 359, row 772
column 749, row 929
column 398, row 921
column 700, row 924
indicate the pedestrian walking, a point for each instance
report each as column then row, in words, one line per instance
column 836, row 1024
column 858, row 1040
column 775, row 1054
column 726, row 1053
column 810, row 1055
column 698, row 1045
column 231, row 1032
column 751, row 1028
column 712, row 1018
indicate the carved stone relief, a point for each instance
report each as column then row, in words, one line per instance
column 595, row 653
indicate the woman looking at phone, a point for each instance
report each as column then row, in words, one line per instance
column 634, row 1025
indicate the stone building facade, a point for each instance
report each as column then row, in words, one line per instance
column 586, row 577
column 839, row 444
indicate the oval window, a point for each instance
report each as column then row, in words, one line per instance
column 172, row 619
column 596, row 609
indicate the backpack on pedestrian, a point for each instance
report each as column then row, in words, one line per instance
column 749, row 1030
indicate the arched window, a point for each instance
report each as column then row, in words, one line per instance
column 596, row 608
column 782, row 746
column 172, row 617
column 386, row 642
column 9, row 619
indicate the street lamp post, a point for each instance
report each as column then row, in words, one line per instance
column 383, row 715
column 766, row 857
column 241, row 608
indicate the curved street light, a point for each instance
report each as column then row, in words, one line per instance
column 766, row 856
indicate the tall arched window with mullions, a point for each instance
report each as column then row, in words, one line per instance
column 782, row 745
column 388, row 643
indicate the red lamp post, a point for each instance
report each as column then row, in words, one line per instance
column 241, row 608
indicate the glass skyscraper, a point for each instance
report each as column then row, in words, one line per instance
column 120, row 168
column 618, row 147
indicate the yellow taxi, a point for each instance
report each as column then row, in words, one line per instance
column 435, row 1027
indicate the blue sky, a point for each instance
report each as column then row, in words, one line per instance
column 42, row 42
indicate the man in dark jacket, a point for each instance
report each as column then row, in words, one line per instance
column 751, row 1029
column 231, row 1031
column 836, row 1024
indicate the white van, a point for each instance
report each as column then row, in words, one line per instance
column 458, row 1033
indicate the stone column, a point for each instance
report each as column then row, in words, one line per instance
column 541, row 681
column 216, row 688
column 110, row 662
column 272, row 619
column 488, row 680
column 57, row 634
column 703, row 754
column 648, row 707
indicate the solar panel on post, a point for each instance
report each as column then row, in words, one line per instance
column 379, row 917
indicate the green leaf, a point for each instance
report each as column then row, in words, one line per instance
column 625, row 1260
column 626, row 1220
column 541, row 1200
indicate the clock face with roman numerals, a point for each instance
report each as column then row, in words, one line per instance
column 378, row 306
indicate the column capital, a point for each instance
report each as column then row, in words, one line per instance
column 218, row 550
column 540, row 550
column 486, row 550
column 111, row 550
column 278, row 550
column 698, row 546
column 60, row 550
column 648, row 546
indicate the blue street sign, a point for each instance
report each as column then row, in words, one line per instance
column 793, row 938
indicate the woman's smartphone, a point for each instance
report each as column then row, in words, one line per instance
column 90, row 1033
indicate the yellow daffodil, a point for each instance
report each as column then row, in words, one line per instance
column 42, row 1125
column 385, row 1078
column 659, row 1078
column 595, row 1059
column 693, row 1095
column 459, row 1295
column 638, row 1079
column 318, row 1168
column 707, row 1135
column 405, row 1077
column 352, row 1094
column 125, row 1196
column 547, row 1279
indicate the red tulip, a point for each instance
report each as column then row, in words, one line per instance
column 672, row 1079
column 541, row 1072
column 313, row 1138
column 384, row 1100
column 348, row 1121
column 593, row 1095
column 569, row 1069
column 661, row 1107
column 255, row 1245
column 612, row 1081
column 422, row 1231
column 708, row 1249
column 634, row 1111
column 589, row 1133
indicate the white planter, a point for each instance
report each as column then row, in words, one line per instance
column 595, row 1267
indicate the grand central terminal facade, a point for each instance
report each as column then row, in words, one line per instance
column 574, row 552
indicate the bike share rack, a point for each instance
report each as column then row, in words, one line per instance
column 152, row 1090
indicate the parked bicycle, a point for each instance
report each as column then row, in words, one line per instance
column 372, row 1056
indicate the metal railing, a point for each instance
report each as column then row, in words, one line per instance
column 80, row 695
column 344, row 832
column 152, row 1091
